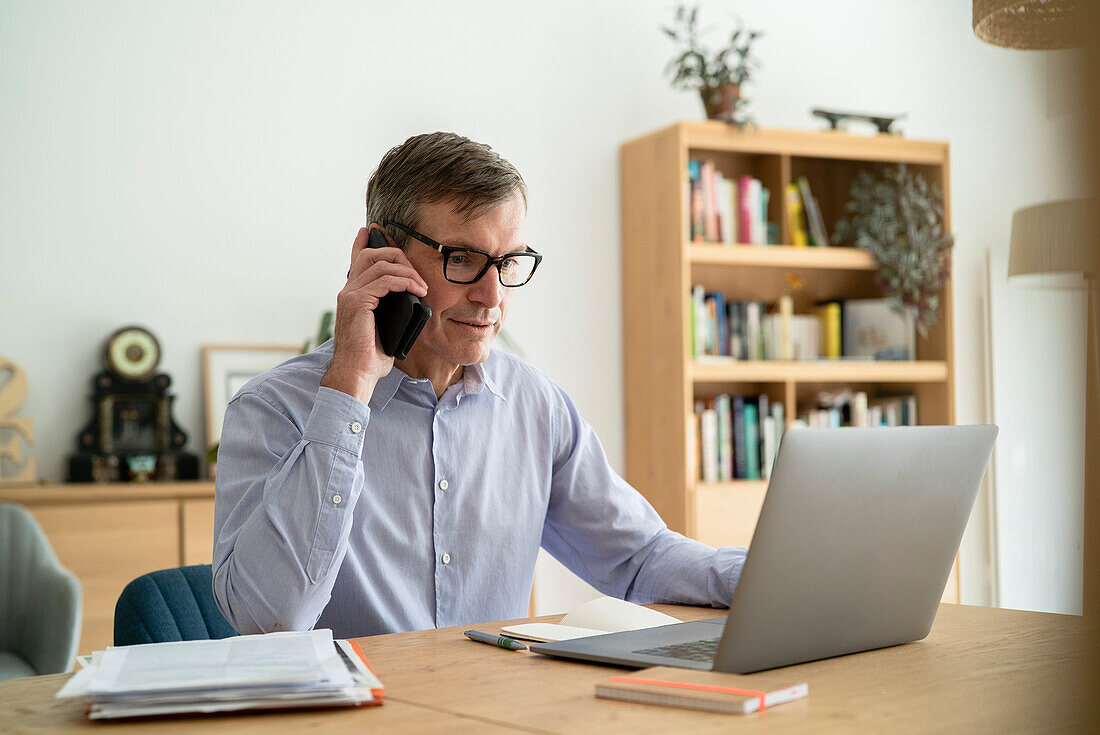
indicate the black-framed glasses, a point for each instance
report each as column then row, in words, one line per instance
column 466, row 265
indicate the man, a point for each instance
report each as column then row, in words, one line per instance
column 369, row 496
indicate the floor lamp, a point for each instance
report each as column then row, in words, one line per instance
column 1055, row 246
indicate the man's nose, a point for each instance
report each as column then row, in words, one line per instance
column 488, row 289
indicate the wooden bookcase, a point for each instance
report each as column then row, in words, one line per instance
column 660, row 266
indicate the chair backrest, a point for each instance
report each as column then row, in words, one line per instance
column 170, row 605
column 40, row 600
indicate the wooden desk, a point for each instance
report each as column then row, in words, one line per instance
column 980, row 670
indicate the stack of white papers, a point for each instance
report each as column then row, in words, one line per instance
column 276, row 670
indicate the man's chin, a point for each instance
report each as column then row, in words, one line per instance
column 473, row 353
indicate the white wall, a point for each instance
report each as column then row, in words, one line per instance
column 199, row 167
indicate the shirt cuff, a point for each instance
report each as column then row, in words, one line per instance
column 338, row 420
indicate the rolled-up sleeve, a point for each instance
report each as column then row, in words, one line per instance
column 284, row 501
column 607, row 533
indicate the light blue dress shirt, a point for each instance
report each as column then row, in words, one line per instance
column 411, row 512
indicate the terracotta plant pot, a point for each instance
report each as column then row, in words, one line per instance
column 721, row 102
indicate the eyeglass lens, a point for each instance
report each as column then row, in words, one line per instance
column 464, row 266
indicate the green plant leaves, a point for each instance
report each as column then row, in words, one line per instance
column 897, row 216
column 698, row 67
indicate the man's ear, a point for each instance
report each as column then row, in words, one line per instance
column 380, row 228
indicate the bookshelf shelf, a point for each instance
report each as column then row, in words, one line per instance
column 781, row 256
column 728, row 370
column 732, row 486
column 662, row 381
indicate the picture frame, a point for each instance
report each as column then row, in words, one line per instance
column 225, row 370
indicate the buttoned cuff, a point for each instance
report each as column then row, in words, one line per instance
column 338, row 420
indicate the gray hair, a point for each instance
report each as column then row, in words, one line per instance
column 436, row 167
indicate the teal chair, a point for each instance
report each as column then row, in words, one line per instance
column 39, row 600
column 170, row 605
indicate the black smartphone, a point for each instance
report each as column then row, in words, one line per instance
column 400, row 315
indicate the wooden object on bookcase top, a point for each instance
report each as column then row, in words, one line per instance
column 981, row 670
column 660, row 265
column 107, row 535
column 17, row 460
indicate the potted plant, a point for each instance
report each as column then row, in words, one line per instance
column 717, row 74
column 897, row 216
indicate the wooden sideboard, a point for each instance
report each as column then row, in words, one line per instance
column 108, row 535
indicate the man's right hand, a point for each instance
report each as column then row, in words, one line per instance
column 359, row 362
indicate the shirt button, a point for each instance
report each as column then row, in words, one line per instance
column 443, row 484
column 446, row 558
column 355, row 427
column 336, row 499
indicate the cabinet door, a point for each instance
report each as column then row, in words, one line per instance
column 198, row 531
column 725, row 515
column 106, row 545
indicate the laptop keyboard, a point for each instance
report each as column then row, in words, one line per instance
column 701, row 650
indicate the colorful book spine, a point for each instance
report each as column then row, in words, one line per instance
column 740, row 447
column 830, row 316
column 767, row 446
column 786, row 311
column 761, row 220
column 699, row 322
column 796, row 218
column 695, row 176
column 710, row 212
column 733, row 206
column 753, row 324
column 745, row 209
column 722, row 406
column 763, row 405
column 708, row 440
column 752, row 442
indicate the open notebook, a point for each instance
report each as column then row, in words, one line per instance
column 595, row 617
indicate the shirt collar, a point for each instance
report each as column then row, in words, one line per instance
column 478, row 376
column 385, row 389
column 474, row 378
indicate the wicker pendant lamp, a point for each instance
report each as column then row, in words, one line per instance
column 1031, row 24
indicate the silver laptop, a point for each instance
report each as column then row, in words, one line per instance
column 852, row 550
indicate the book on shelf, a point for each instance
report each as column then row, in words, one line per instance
column 754, row 317
column 872, row 328
column 727, row 209
column 818, row 237
column 708, row 443
column 740, row 445
column 796, row 217
column 865, row 329
column 857, row 409
column 752, row 442
column 748, row 433
column 760, row 234
column 723, row 409
column 829, row 317
column 699, row 323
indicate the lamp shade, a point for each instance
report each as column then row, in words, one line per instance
column 1054, row 245
column 1031, row 24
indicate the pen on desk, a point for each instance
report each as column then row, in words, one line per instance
column 495, row 640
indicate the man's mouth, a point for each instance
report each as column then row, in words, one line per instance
column 473, row 324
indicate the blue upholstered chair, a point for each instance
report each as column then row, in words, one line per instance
column 170, row 605
column 39, row 600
